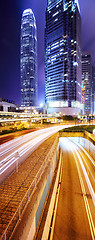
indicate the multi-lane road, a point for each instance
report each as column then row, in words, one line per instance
column 17, row 150
column 75, row 216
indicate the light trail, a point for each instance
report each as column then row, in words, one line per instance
column 89, row 215
column 86, row 178
column 84, row 171
column 87, row 154
column 88, row 167
column 19, row 140
column 7, row 147
column 8, row 164
column 74, row 149
column 26, row 149
column 89, row 157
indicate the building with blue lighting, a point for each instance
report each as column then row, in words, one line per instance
column 63, row 56
column 93, row 89
column 28, row 59
column 87, row 97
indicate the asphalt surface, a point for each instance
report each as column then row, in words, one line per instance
column 75, row 216
column 7, row 137
column 14, row 152
column 14, row 188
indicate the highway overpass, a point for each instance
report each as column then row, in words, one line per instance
column 6, row 117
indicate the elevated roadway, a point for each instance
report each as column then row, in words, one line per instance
column 16, row 151
column 7, row 117
column 16, row 191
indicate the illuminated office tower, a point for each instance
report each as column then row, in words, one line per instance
column 87, row 83
column 93, row 89
column 28, row 59
column 63, row 56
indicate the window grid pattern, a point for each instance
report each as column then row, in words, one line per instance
column 28, row 59
column 63, row 53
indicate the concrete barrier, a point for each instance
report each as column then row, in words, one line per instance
column 50, row 220
column 84, row 134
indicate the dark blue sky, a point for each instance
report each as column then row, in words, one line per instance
column 10, row 18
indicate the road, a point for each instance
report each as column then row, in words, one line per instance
column 18, row 187
column 17, row 150
column 75, row 216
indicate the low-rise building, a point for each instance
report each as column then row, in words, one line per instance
column 7, row 105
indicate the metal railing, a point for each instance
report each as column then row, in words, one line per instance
column 17, row 216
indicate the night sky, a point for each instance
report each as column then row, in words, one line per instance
column 10, row 21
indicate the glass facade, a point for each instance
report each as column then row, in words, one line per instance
column 53, row 3
column 28, row 59
column 63, row 54
column 93, row 89
column 87, row 83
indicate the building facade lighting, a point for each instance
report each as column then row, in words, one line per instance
column 28, row 59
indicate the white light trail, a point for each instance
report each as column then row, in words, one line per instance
column 87, row 167
column 84, row 170
column 88, row 211
column 86, row 178
column 73, row 148
column 87, row 154
column 26, row 149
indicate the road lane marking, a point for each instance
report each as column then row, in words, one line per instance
column 87, row 154
column 85, row 174
column 89, row 215
column 87, row 167
column 73, row 148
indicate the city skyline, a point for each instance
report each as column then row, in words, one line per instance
column 10, row 42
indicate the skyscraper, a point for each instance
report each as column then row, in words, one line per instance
column 93, row 89
column 28, row 59
column 63, row 56
column 87, row 83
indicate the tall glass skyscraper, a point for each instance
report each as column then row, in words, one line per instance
column 93, row 89
column 28, row 59
column 87, row 82
column 62, row 55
